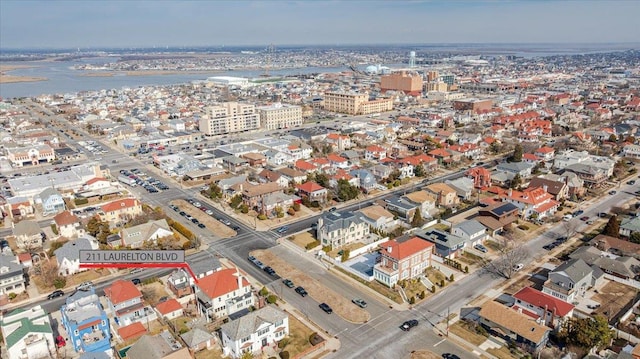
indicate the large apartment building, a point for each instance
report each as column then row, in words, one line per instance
column 279, row 116
column 229, row 117
column 353, row 103
column 336, row 229
column 410, row 84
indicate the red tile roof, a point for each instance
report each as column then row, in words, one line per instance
column 405, row 249
column 131, row 331
column 96, row 179
column 545, row 149
column 310, row 187
column 65, row 218
column 121, row 291
column 542, row 300
column 168, row 306
column 375, row 148
column 305, row 166
column 335, row 158
column 220, row 283
column 120, row 204
column 530, row 157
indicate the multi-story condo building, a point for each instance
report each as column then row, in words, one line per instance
column 11, row 275
column 279, row 116
column 402, row 260
column 27, row 334
column 86, row 322
column 229, row 117
column 254, row 331
column 410, row 84
column 336, row 229
column 353, row 103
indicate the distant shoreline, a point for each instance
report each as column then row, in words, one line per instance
column 7, row 79
column 146, row 73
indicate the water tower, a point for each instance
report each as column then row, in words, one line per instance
column 412, row 59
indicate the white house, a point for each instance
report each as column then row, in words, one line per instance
column 68, row 256
column 223, row 293
column 68, row 224
column 151, row 231
column 28, row 334
column 254, row 331
column 471, row 230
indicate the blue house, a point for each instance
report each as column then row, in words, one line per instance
column 52, row 202
column 86, row 322
column 367, row 179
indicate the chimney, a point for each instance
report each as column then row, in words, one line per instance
column 389, row 249
column 544, row 317
column 239, row 278
column 544, row 187
column 510, row 192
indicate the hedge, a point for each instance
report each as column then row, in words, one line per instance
column 182, row 230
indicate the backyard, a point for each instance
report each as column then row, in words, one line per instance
column 613, row 296
column 301, row 239
column 375, row 285
column 298, row 339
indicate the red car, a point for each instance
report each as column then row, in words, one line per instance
column 584, row 218
column 60, row 342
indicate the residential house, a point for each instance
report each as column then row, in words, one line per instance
column 339, row 142
column 124, row 300
column 160, row 346
column 513, row 326
column 68, row 224
column 120, row 210
column 304, row 166
column 402, row 207
column 266, row 176
column 631, row 151
column 198, row 339
column 498, row 215
column 542, row 307
column 293, row 176
column 86, row 322
column 616, row 246
column 312, row 191
column 179, row 283
column 402, row 260
column 338, row 162
column 378, row 217
column 224, row 293
column 569, row 280
column 367, row 181
column 629, row 226
column 481, row 177
column 381, row 171
column 522, row 169
column 336, row 229
column 169, row 309
column 11, row 275
column 558, row 189
column 68, row 256
column 51, row 201
column 545, row 153
column 447, row 245
column 425, row 201
column 574, row 183
column 150, row 232
column 616, row 267
column 96, row 183
column 28, row 235
column 253, row 332
column 532, row 202
column 130, row 332
column 471, row 230
column 592, row 176
column 463, row 187
column 253, row 195
column 375, row 153
column 235, row 164
column 19, row 207
column 27, row 334
column 445, row 195
column 256, row 159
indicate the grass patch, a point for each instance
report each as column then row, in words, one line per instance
column 501, row 353
column 298, row 337
column 213, row 353
column 153, row 292
column 413, row 288
column 375, row 285
column 462, row 330
column 350, row 247
column 435, row 276
column 492, row 245
column 302, row 239
column 470, row 258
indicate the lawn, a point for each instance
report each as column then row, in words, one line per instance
column 413, row 288
column 470, row 258
column 501, row 353
column 298, row 339
column 213, row 353
column 349, row 247
column 462, row 330
column 302, row 239
column 613, row 296
column 424, row 354
column 153, row 292
column 435, row 276
column 375, row 285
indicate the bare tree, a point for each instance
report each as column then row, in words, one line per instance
column 570, row 228
column 511, row 254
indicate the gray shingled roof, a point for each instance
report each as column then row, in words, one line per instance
column 575, row 269
column 249, row 324
column 471, row 227
column 332, row 221
column 26, row 228
column 196, row 336
column 71, row 249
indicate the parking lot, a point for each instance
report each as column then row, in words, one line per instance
column 221, row 230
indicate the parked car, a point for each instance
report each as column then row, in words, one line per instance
column 359, row 302
column 517, row 267
column 85, row 286
column 269, row 270
column 612, row 192
column 327, row 309
column 282, row 229
column 201, row 225
column 481, row 248
column 584, row 218
column 288, row 283
column 55, row 294
column 577, row 213
column 406, row 326
column 136, row 281
column 632, row 182
column 301, row 291
column 450, row 356
column 550, row 246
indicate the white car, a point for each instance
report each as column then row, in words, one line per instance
column 517, row 267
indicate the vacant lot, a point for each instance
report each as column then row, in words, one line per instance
column 215, row 227
column 612, row 297
column 424, row 354
column 302, row 239
column 464, row 330
column 298, row 339
column 341, row 305
column 153, row 292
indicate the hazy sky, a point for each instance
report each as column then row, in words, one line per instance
column 95, row 23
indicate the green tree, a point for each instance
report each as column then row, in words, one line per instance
column 345, row 255
column 635, row 237
column 586, row 333
column 517, row 154
column 322, row 179
column 264, row 291
column 419, row 171
column 214, row 191
column 235, row 201
column 516, row 181
column 417, row 220
column 346, row 191
column 612, row 228
column 613, row 138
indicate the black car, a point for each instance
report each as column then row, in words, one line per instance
column 136, row 281
column 406, row 326
column 549, row 246
column 195, row 220
column 55, row 294
column 301, row 291
column 201, row 225
column 183, row 213
column 288, row 283
column 327, row 309
column 269, row 270
column 450, row 356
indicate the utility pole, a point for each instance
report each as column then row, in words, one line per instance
column 447, row 321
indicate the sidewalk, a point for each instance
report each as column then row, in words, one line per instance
column 441, row 330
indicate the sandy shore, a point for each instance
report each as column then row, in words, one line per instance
column 6, row 79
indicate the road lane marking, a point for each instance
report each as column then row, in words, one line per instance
column 438, row 343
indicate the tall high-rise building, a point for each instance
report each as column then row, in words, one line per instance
column 449, row 79
column 432, row 76
column 410, row 84
column 229, row 117
column 279, row 116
